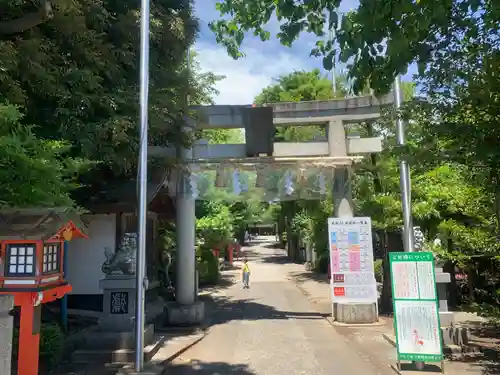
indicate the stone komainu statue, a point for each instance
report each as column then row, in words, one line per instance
column 123, row 260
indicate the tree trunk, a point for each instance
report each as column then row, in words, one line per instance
column 497, row 206
column 471, row 275
column 386, row 297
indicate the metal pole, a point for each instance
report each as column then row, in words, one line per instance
column 143, row 165
column 404, row 173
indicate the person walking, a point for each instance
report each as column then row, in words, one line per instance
column 245, row 273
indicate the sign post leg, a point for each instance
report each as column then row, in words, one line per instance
column 29, row 338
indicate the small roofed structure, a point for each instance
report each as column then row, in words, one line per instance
column 32, row 268
column 32, row 247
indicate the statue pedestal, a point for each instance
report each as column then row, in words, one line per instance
column 113, row 339
column 119, row 295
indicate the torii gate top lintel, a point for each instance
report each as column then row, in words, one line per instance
column 262, row 121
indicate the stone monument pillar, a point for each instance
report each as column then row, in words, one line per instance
column 351, row 313
column 446, row 318
column 354, row 313
column 6, row 331
column 113, row 340
column 187, row 309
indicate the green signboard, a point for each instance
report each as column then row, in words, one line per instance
column 416, row 307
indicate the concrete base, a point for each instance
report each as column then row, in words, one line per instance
column 108, row 340
column 411, row 369
column 119, row 356
column 116, row 323
column 184, row 315
column 97, row 345
column 355, row 313
column 352, row 325
column 446, row 318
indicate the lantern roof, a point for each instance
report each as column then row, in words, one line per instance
column 40, row 223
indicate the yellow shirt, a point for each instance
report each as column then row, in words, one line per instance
column 246, row 268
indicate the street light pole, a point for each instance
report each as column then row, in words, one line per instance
column 404, row 173
column 141, row 282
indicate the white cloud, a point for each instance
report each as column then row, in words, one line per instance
column 246, row 77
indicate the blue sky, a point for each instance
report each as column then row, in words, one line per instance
column 246, row 77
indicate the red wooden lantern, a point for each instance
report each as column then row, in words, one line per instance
column 31, row 269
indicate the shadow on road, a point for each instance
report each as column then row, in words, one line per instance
column 207, row 368
column 315, row 276
column 275, row 259
column 223, row 310
column 272, row 245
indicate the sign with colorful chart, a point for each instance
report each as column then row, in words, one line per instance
column 351, row 260
column 416, row 308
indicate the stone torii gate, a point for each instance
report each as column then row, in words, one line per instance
column 259, row 124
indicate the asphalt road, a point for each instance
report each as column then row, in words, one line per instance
column 270, row 329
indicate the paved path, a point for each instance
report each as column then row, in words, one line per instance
column 273, row 329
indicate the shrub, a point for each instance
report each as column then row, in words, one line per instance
column 51, row 343
column 379, row 271
column 208, row 266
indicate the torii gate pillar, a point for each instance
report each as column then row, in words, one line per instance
column 186, row 310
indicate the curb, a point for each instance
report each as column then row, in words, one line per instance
column 353, row 325
column 184, row 349
column 389, row 338
column 160, row 368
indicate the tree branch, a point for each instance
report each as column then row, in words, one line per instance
column 28, row 21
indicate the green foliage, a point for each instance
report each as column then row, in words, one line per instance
column 223, row 136
column 51, row 343
column 33, row 171
column 377, row 40
column 76, row 79
column 379, row 271
column 214, row 226
column 208, row 266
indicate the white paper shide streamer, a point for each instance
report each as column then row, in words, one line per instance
column 322, row 183
column 236, row 182
column 289, row 184
column 193, row 186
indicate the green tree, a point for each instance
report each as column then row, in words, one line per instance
column 33, row 172
column 75, row 76
column 378, row 40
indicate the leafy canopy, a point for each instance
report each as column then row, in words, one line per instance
column 378, row 40
column 33, row 172
column 75, row 77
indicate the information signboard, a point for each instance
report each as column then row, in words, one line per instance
column 416, row 311
column 351, row 260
